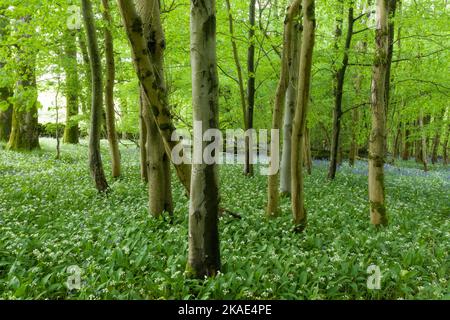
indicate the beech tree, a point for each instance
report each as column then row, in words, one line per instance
column 298, row 130
column 6, row 108
column 377, row 152
column 24, row 130
column 289, row 36
column 289, row 110
column 204, row 249
column 71, row 132
column 154, row 93
column 338, row 87
column 109, row 92
column 157, row 161
column 251, row 88
column 95, row 157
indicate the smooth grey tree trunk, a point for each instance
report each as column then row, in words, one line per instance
column 204, row 249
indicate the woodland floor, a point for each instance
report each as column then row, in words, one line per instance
column 51, row 218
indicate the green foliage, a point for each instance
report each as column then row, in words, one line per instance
column 51, row 217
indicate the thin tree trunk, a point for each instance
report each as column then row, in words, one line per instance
column 158, row 163
column 71, row 132
column 437, row 140
column 308, row 158
column 377, row 139
column 338, row 93
column 251, row 89
column 5, row 94
column 87, row 71
column 95, row 157
column 397, row 142
column 436, row 143
column 445, row 147
column 237, row 62
column 407, row 144
column 392, row 5
column 298, row 130
column 58, row 144
column 5, row 115
column 423, row 140
column 289, row 110
column 155, row 94
column 109, row 92
column 143, row 138
column 204, row 249
column 277, row 116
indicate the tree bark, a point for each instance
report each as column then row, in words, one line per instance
column 307, row 154
column 87, row 71
column 6, row 114
column 445, row 147
column 298, row 130
column 289, row 110
column 24, row 126
column 6, row 108
column 407, row 144
column 95, row 157
column 158, row 163
column 339, row 78
column 204, row 249
column 143, row 138
column 277, row 115
column 377, row 139
column 437, row 139
column 71, row 132
column 251, row 89
column 153, row 92
column 109, row 92
column 423, row 141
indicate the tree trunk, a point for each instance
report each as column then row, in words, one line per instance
column 339, row 78
column 87, row 72
column 204, row 249
column 397, row 142
column 158, row 163
column 24, row 129
column 407, row 144
column 445, row 148
column 277, row 116
column 377, row 139
column 307, row 154
column 153, row 92
column 391, row 5
column 157, row 166
column 109, row 92
column 298, row 130
column 6, row 108
column 437, row 139
column 143, row 138
column 95, row 157
column 6, row 114
column 423, row 141
column 71, row 133
column 237, row 62
column 289, row 110
column 251, row 89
